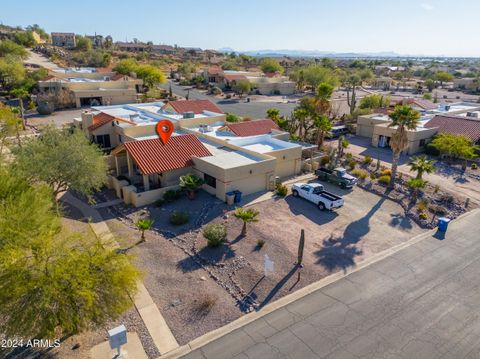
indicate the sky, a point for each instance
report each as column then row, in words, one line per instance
column 407, row 27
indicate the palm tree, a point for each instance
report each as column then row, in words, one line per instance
column 144, row 225
column 191, row 183
column 323, row 125
column 416, row 184
column 247, row 216
column 422, row 165
column 404, row 118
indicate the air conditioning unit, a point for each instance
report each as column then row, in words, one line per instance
column 204, row 128
column 472, row 114
column 447, row 107
column 189, row 114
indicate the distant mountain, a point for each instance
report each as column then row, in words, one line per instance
column 314, row 53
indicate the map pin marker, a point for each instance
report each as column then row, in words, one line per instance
column 164, row 130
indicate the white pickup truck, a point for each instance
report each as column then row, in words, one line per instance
column 314, row 192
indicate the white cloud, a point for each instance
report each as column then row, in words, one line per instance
column 426, row 6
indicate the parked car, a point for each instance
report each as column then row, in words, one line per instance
column 337, row 131
column 315, row 193
column 339, row 176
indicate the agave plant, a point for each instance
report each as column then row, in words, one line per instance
column 191, row 183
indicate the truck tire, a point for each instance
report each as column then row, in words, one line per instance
column 343, row 185
column 295, row 193
column 321, row 206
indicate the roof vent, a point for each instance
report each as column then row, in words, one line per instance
column 472, row 114
column 189, row 114
column 447, row 107
column 204, row 128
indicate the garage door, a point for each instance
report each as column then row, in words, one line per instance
column 250, row 184
column 285, row 169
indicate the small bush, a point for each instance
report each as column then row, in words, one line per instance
column 171, row 196
column 373, row 176
column 352, row 164
column 438, row 210
column 360, row 174
column 260, row 243
column 386, row 172
column 367, row 160
column 474, row 166
column 159, row 203
column 423, row 216
column 422, row 205
column 230, row 117
column 348, row 156
column 384, row 179
column 282, row 190
column 431, row 150
column 203, row 305
column 324, row 160
column 178, row 218
column 215, row 234
column 447, row 198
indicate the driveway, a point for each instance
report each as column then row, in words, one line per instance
column 466, row 187
column 40, row 60
column 420, row 302
column 58, row 119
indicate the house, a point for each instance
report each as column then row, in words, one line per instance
column 98, row 41
column 244, row 156
column 89, row 87
column 63, row 39
column 468, row 126
column 418, row 104
column 472, row 84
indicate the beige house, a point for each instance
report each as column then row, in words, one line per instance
column 90, row 88
column 63, row 39
column 466, row 84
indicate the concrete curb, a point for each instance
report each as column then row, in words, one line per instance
column 290, row 298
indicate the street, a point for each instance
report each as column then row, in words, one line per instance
column 419, row 302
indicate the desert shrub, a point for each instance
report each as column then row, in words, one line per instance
column 360, row 174
column 348, row 157
column 171, row 196
column 204, row 304
column 282, row 190
column 178, row 218
column 367, row 160
column 352, row 164
column 373, row 176
column 423, row 216
column 324, row 160
column 431, row 150
column 159, row 203
column 422, row 205
column 231, row 117
column 384, row 179
column 386, row 172
column 474, row 166
column 437, row 209
column 447, row 198
column 215, row 234
column 260, row 243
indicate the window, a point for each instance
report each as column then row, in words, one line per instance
column 422, row 143
column 209, row 180
column 103, row 141
column 120, row 139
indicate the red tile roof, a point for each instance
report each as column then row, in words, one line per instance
column 102, row 119
column 195, row 106
column 252, row 128
column 419, row 102
column 215, row 70
column 456, row 125
column 233, row 77
column 152, row 156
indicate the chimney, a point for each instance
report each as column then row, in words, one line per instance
column 87, row 120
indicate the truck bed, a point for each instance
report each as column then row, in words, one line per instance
column 329, row 195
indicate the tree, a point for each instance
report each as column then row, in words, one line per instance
column 351, row 82
column 403, row 118
column 242, row 86
column 430, row 84
column 63, row 160
column 52, row 283
column 8, row 47
column 271, row 66
column 421, row 164
column 150, row 75
column 323, row 125
column 247, row 216
column 374, row 101
column 125, row 66
column 415, row 185
column 341, row 146
column 273, row 114
column 191, row 183
column 455, row 146
column 83, row 43
column 314, row 75
column 301, row 115
column 443, row 76
column 12, row 72
column 231, row 117
column 143, row 225
column 10, row 125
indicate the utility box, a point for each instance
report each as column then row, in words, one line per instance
column 117, row 337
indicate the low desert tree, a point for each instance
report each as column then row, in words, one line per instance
column 415, row 185
column 242, row 87
column 442, row 77
column 143, row 224
column 83, row 43
column 62, row 284
column 231, row 117
column 191, row 183
column 455, row 146
column 404, row 118
column 421, row 165
column 10, row 125
column 247, row 216
column 273, row 114
column 150, row 75
column 63, row 160
column 8, row 47
column 125, row 66
column 271, row 66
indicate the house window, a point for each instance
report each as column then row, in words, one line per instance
column 209, row 180
column 422, row 143
column 103, row 141
column 120, row 139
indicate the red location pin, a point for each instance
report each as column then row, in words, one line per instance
column 164, row 130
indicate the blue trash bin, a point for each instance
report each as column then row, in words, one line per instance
column 443, row 224
column 238, row 196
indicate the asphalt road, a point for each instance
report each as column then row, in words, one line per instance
column 245, row 109
column 420, row 302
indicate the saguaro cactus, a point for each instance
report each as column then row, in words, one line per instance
column 301, row 246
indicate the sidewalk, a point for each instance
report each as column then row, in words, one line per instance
column 151, row 316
